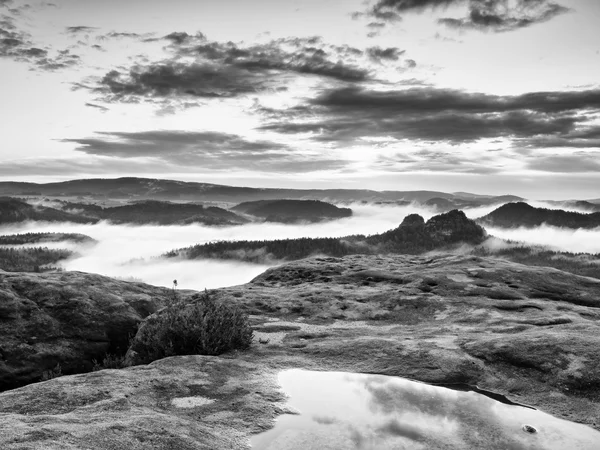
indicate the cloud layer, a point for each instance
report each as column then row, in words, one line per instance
column 209, row 150
column 199, row 68
column 482, row 15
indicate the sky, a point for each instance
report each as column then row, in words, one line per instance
column 485, row 96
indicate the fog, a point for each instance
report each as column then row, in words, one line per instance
column 562, row 239
column 132, row 252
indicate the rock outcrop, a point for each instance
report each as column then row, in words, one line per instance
column 413, row 236
column 66, row 318
column 530, row 333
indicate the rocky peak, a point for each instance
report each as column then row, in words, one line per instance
column 413, row 221
column 454, row 226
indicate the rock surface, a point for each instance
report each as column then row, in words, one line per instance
column 178, row 403
column 66, row 318
column 529, row 333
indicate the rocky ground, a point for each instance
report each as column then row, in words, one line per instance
column 530, row 333
column 67, row 318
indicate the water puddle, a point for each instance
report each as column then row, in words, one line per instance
column 339, row 411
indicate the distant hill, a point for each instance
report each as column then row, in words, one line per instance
column 164, row 213
column 14, row 210
column 142, row 212
column 512, row 215
column 130, row 188
column 496, row 198
column 37, row 259
column 37, row 238
column 291, row 211
column 413, row 236
column 464, row 201
column 579, row 204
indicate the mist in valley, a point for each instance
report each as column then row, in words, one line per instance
column 133, row 252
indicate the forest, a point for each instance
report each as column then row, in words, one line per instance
column 35, row 259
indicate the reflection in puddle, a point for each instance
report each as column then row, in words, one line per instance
column 375, row 412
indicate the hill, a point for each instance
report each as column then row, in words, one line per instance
column 36, row 259
column 292, row 211
column 138, row 212
column 130, row 188
column 163, row 213
column 13, row 210
column 37, row 238
column 513, row 215
column 413, row 236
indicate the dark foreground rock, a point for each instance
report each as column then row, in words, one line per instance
column 66, row 318
column 529, row 333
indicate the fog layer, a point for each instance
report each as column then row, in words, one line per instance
column 131, row 252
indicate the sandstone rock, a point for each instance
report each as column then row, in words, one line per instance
column 68, row 319
column 530, row 333
column 183, row 403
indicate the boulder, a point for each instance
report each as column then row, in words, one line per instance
column 67, row 319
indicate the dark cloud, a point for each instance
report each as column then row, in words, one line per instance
column 18, row 45
column 344, row 115
column 80, row 29
column 483, row 15
column 394, row 427
column 400, row 6
column 294, row 55
column 586, row 137
column 390, row 53
column 208, row 150
column 125, row 35
column 180, row 38
column 201, row 68
column 173, row 79
column 100, row 107
column 495, row 16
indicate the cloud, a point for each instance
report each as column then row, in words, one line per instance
column 437, row 161
column 346, row 114
column 390, row 53
column 101, row 108
column 18, row 45
column 394, row 427
column 80, row 29
column 209, row 150
column 125, row 35
column 200, row 68
column 586, row 137
column 496, row 17
column 482, row 15
column 566, row 163
column 178, row 79
column 180, row 38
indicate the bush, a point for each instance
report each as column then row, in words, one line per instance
column 52, row 373
column 109, row 361
column 203, row 327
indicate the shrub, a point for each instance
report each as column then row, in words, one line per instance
column 203, row 327
column 52, row 373
column 109, row 361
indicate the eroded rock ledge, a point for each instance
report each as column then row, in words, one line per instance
column 530, row 333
